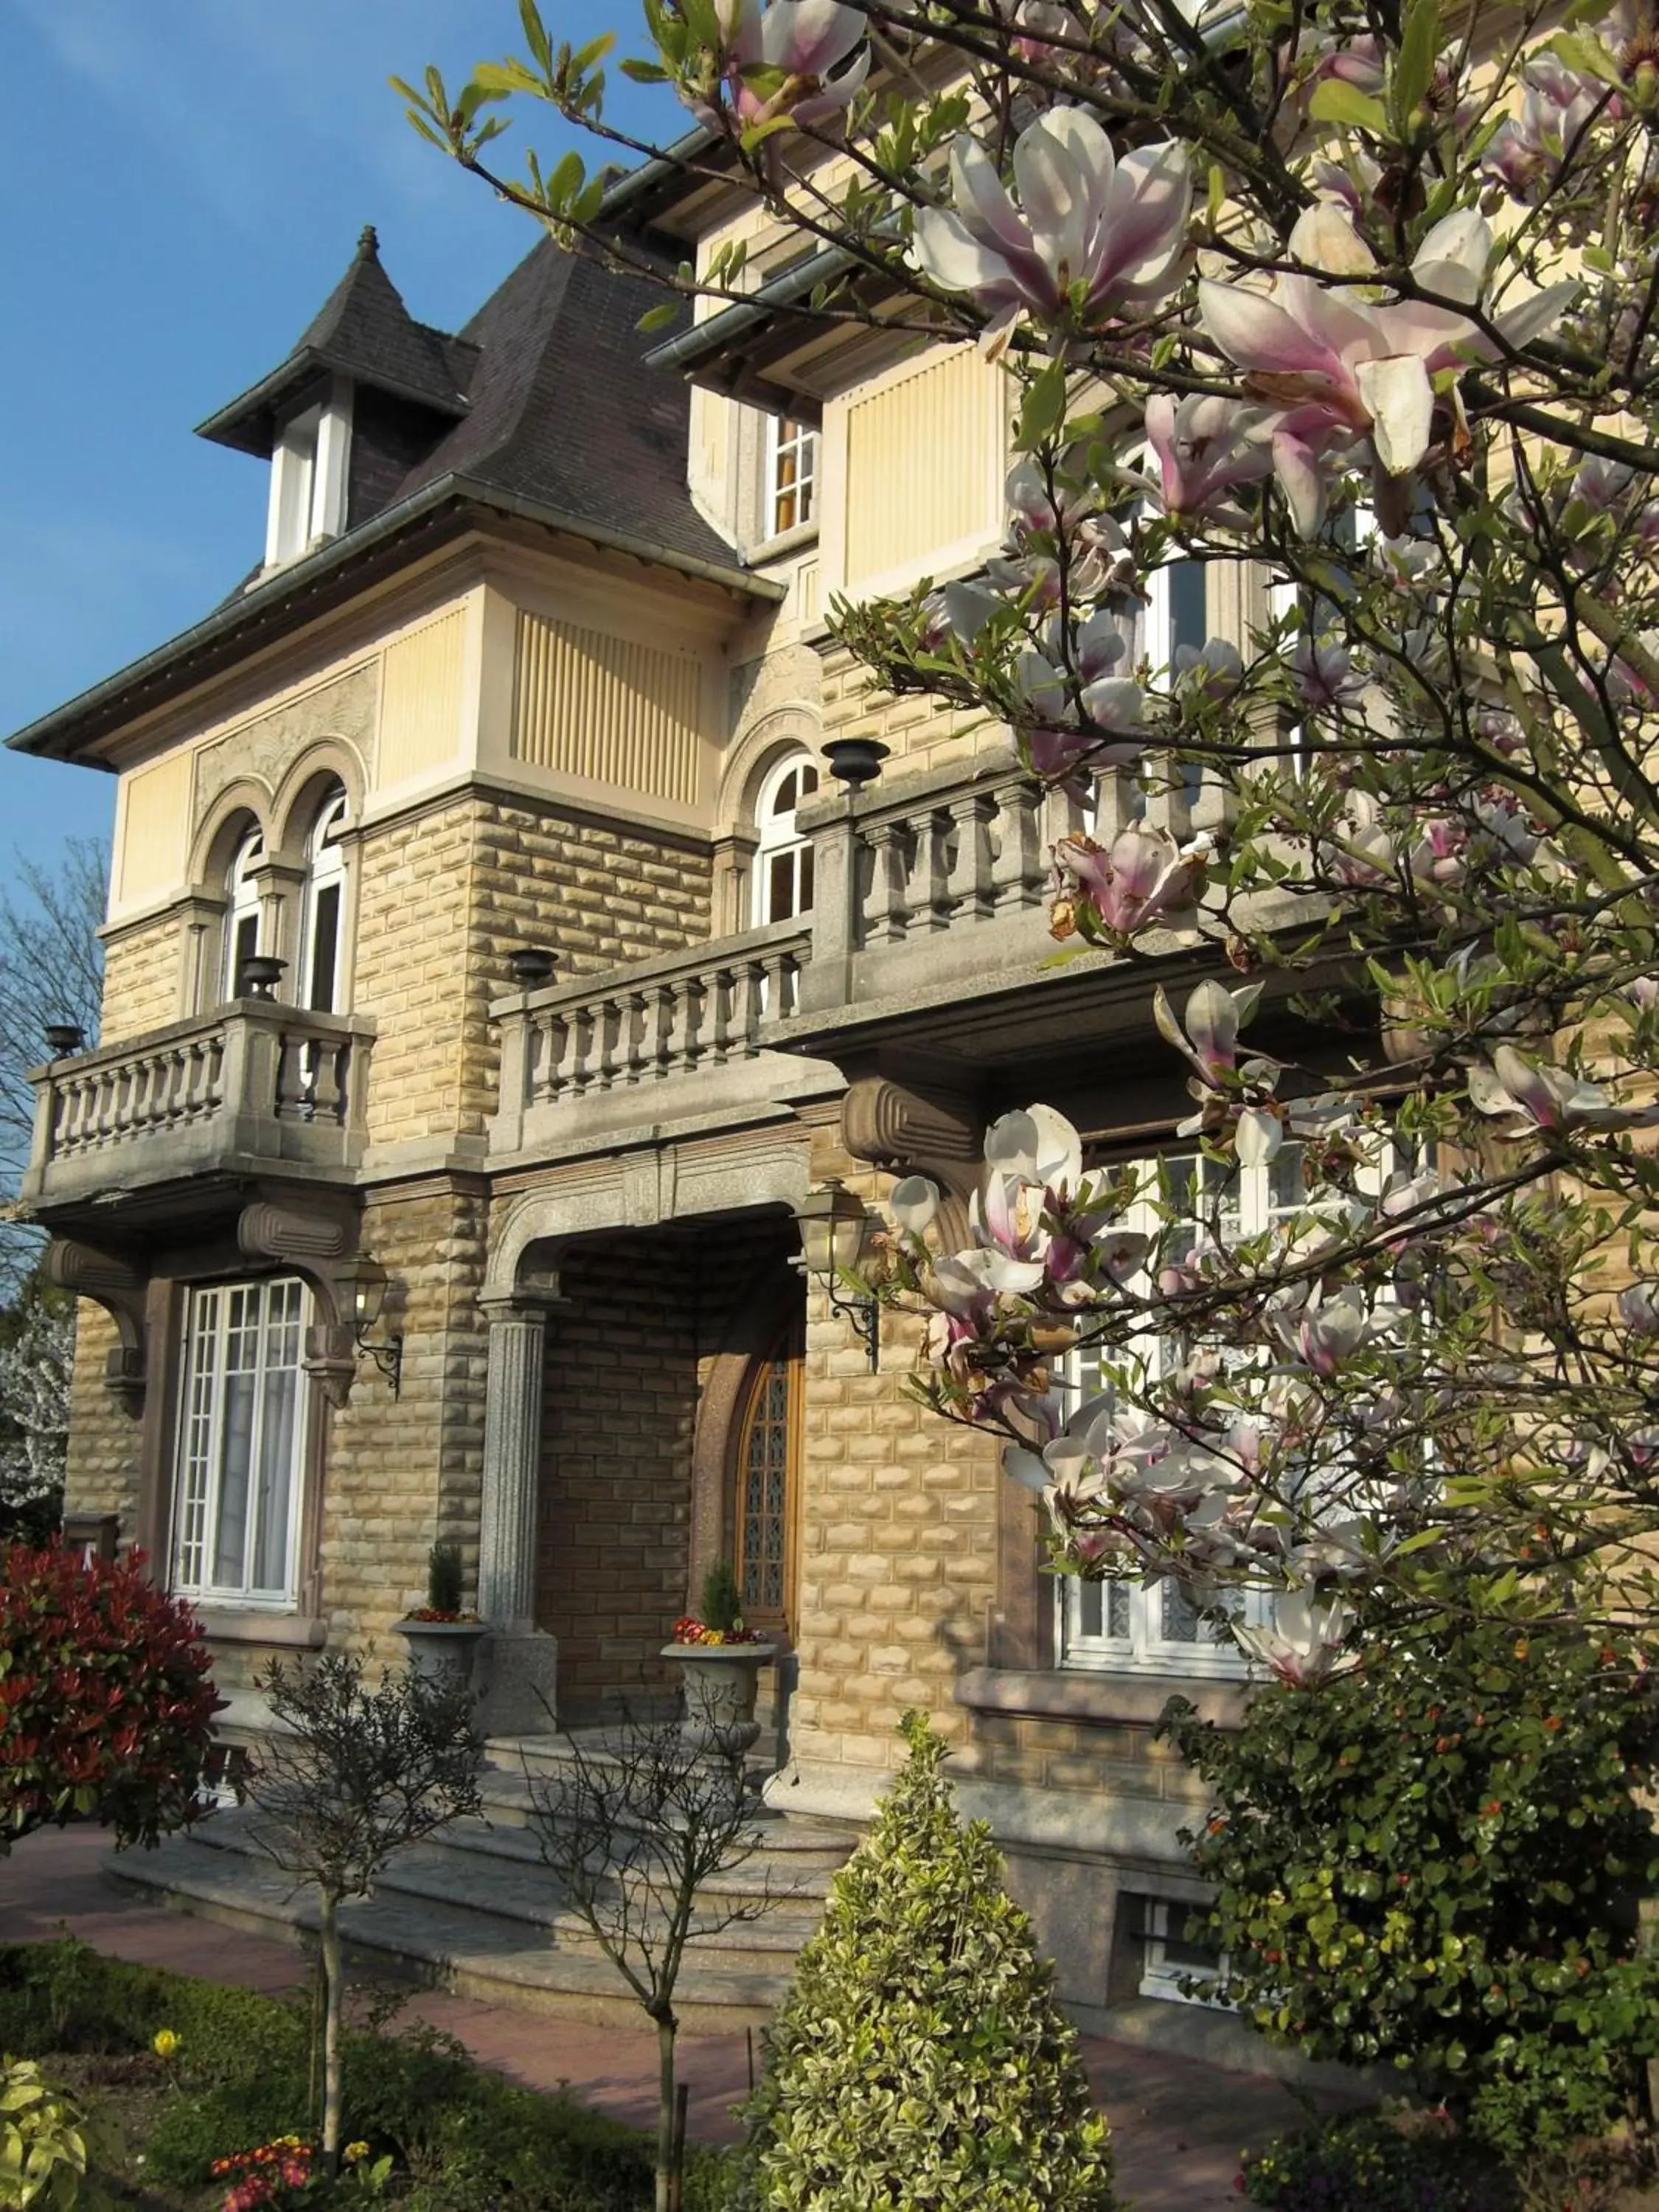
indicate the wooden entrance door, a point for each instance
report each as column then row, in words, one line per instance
column 766, row 1487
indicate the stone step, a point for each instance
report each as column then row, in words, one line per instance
column 478, row 1953
column 771, row 1870
column 524, row 1893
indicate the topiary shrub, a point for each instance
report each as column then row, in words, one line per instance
column 920, row 2060
column 1435, row 1862
column 106, row 1708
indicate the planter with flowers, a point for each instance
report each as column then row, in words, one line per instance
column 721, row 1662
column 442, row 1638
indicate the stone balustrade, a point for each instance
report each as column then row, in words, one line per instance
column 254, row 1084
column 904, row 878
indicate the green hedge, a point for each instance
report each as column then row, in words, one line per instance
column 468, row 2140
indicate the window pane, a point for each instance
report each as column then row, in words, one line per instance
column 325, row 946
column 240, row 1435
column 764, row 1502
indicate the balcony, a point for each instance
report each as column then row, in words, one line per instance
column 251, row 1088
column 930, row 931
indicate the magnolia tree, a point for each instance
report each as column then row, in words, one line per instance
column 1359, row 299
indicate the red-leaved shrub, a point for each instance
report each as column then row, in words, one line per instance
column 105, row 1707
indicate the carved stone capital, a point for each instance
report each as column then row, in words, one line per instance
column 324, row 1231
column 123, row 1378
column 912, row 1129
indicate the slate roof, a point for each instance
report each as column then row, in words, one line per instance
column 362, row 330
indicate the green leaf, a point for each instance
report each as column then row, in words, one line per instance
column 644, row 72
column 536, row 37
column 1042, row 412
column 594, row 50
column 1414, row 66
column 500, row 79
column 1334, row 101
column 659, row 318
column 1588, row 56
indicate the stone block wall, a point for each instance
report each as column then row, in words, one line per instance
column 898, row 1541
column 141, row 980
column 104, row 1439
column 922, row 733
column 645, row 1315
column 404, row 1472
column 447, row 893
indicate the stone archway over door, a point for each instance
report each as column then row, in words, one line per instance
column 764, row 1497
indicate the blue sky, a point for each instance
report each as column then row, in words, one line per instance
column 184, row 181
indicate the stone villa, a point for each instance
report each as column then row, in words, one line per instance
column 536, row 664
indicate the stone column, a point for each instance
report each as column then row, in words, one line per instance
column 520, row 1661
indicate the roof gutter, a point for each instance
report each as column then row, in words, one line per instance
column 692, row 347
column 281, row 601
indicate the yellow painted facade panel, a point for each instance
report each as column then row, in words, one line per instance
column 923, row 462
column 154, row 830
column 421, row 700
column 608, row 709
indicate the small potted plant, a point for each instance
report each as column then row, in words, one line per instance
column 721, row 1661
column 442, row 1637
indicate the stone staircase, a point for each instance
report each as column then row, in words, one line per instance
column 474, row 1911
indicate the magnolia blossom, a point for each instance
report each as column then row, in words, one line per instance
column 1215, row 1016
column 1090, row 233
column 1303, row 1647
column 1526, row 150
column 1143, row 877
column 1338, row 365
column 913, row 1202
column 1033, row 1161
column 1212, row 670
column 1327, row 1330
column 1548, row 1098
column 1205, row 447
column 1639, row 1308
column 817, row 46
column 1323, row 672
column 959, row 612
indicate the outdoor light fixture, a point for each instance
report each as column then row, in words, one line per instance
column 833, row 1223
column 368, row 1287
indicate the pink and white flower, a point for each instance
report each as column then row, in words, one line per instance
column 1303, row 1647
column 1091, row 234
column 1339, row 366
column 1206, row 447
column 1550, row 1099
column 818, row 48
column 1141, row 878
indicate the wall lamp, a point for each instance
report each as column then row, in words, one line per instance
column 369, row 1289
column 833, row 1228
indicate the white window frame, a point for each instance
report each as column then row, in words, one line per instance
column 1161, row 1977
column 308, row 477
column 242, row 905
column 801, row 442
column 1285, row 597
column 777, row 838
column 325, row 871
column 1084, row 1610
column 220, row 1320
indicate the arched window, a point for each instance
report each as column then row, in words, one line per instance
column 763, row 1520
column 322, row 913
column 783, row 857
column 241, row 939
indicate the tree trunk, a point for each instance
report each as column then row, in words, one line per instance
column 665, row 2029
column 334, row 1981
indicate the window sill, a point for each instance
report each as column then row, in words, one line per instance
column 786, row 542
column 1049, row 1693
column 293, row 1631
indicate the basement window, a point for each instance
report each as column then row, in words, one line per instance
column 1174, row 1968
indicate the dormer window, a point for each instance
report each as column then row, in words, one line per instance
column 308, row 477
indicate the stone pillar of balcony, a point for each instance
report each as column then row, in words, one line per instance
column 521, row 1661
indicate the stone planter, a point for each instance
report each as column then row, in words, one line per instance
column 443, row 1651
column 720, row 1683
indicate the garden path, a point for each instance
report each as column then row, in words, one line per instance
column 1178, row 2125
